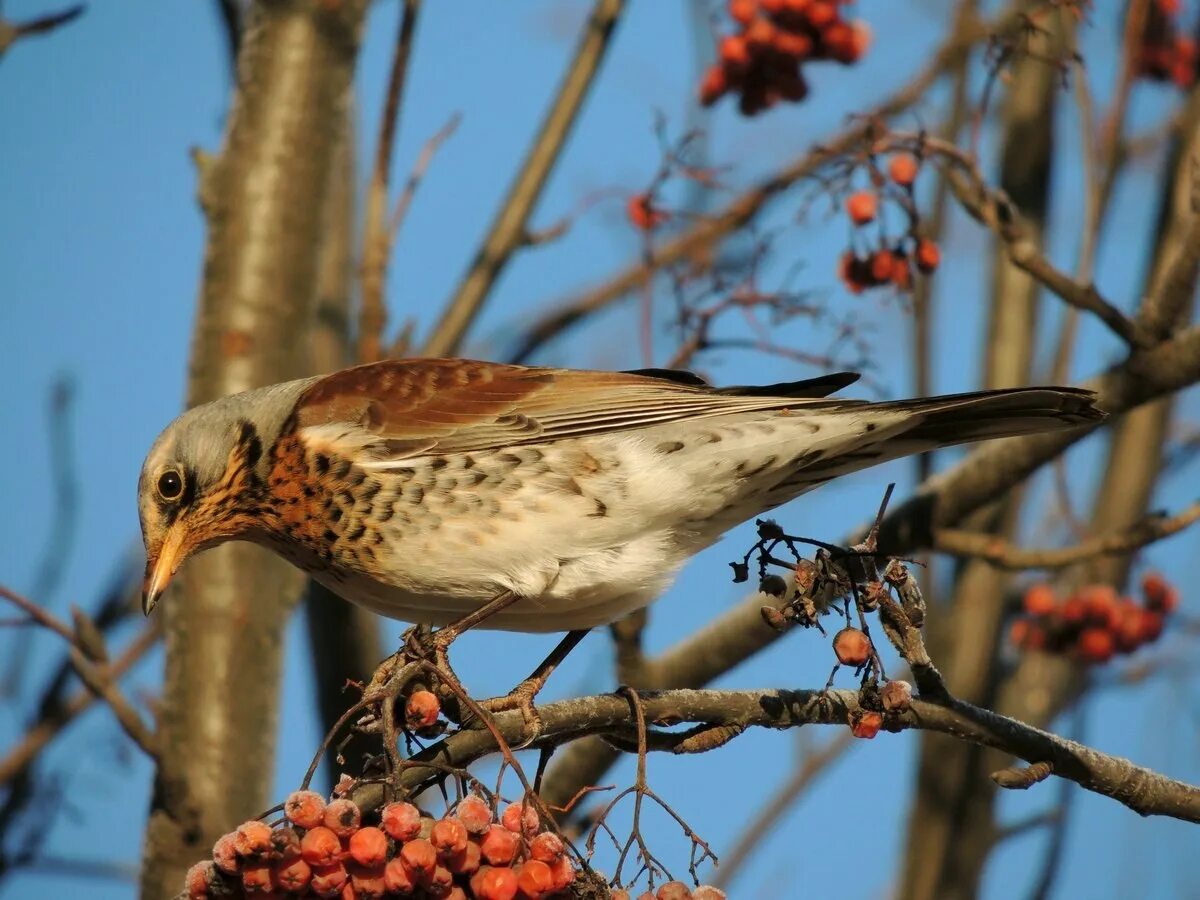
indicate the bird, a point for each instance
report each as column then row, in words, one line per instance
column 460, row 493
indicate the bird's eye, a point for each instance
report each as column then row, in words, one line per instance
column 170, row 485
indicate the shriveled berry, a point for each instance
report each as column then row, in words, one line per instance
column 902, row 169
column 396, row 878
column 547, row 847
column 422, row 710
column 474, row 813
column 896, row 696
column 198, row 877
column 285, row 844
column 305, row 808
column 369, row 846
column 256, row 878
column 521, row 817
column 496, row 884
column 563, row 872
column 328, row 881
column 773, row 585
column 774, row 618
column 1039, row 600
column 343, row 817
column 673, row 890
column 252, row 840
column 440, row 882
column 928, row 256
column 534, row 879
column 402, row 821
column 320, row 847
column 499, row 846
column 421, row 859
column 225, row 854
column 291, row 875
column 852, row 647
column 465, row 861
column 862, row 207
column 865, row 723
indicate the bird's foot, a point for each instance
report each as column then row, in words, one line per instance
column 521, row 698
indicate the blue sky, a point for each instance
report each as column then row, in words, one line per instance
column 100, row 249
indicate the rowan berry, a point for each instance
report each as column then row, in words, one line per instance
column 421, row 710
column 396, row 878
column 862, row 207
column 547, row 847
column 496, row 884
column 304, row 808
column 1039, row 600
column 449, row 836
column 1096, row 645
column 198, row 878
column 225, row 855
column 866, row 723
column 534, row 879
column 328, row 881
column 256, row 878
column 563, row 871
column 252, row 840
column 465, row 861
column 853, row 647
column 896, row 696
column 402, row 821
column 743, row 11
column 499, row 846
column 708, row 892
column 320, row 846
column 902, row 169
column 369, row 846
column 673, row 890
column 292, row 875
column 421, row 859
column 368, row 881
column 928, row 256
column 520, row 817
column 734, row 53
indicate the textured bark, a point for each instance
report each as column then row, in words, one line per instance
column 951, row 828
column 263, row 196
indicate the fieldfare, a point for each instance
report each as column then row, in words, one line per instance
column 449, row 491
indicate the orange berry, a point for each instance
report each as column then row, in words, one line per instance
column 902, row 169
column 1101, row 603
column 743, row 11
column 547, row 847
column 1074, row 610
column 499, row 846
column 252, row 840
column 285, row 843
column 368, row 881
column 1160, row 594
column 1096, row 645
column 421, row 859
column 862, row 207
column 1151, row 626
column 440, row 882
column 901, row 271
column 328, row 881
column 521, row 817
column 1128, row 631
column 465, row 861
column 929, row 257
column 896, row 696
column 563, row 871
column 882, row 262
column 839, row 43
column 449, row 836
column 422, row 710
column 853, row 647
column 396, row 878
column 821, row 13
column 1018, row 632
column 474, row 813
column 714, row 84
column 534, row 879
column 861, row 32
column 369, row 846
column 402, row 821
column 304, row 808
column 320, row 847
column 760, row 35
column 673, row 890
column 198, row 877
column 734, row 53
column 496, row 884
column 794, row 44
column 256, row 878
column 708, row 892
column 1039, row 600
column 866, row 724
column 225, row 854
column 643, row 214
column 291, row 875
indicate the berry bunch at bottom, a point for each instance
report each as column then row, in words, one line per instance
column 1165, row 54
column 763, row 60
column 1094, row 623
column 324, row 850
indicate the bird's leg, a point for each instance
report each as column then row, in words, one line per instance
column 522, row 696
column 419, row 643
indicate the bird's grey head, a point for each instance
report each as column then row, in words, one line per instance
column 201, row 479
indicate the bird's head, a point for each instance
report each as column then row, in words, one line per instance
column 198, row 487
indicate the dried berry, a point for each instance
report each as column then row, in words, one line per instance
column 853, row 647
column 896, row 696
column 865, row 723
column 421, row 710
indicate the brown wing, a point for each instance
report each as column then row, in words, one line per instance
column 408, row 407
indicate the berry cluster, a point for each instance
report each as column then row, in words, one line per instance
column 1165, row 54
column 674, row 890
column 763, row 60
column 888, row 263
column 1094, row 623
column 325, row 850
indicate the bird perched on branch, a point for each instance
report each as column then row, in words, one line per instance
column 455, row 492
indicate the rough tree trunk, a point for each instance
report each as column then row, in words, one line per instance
column 263, row 196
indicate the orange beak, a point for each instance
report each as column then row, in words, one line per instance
column 161, row 564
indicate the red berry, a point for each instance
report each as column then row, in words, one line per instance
column 195, row 884
column 563, row 871
column 794, row 44
column 862, row 207
column 369, row 847
column 642, row 212
column 929, row 257
column 449, row 836
column 1160, row 594
column 534, row 879
column 499, row 846
column 252, row 840
column 465, row 861
column 328, row 881
column 368, row 881
column 320, row 847
column 1151, row 626
column 734, row 53
column 853, row 647
column 342, row 817
column 1074, row 610
column 291, row 875
column 673, row 890
column 496, row 884
column 421, row 859
column 840, row 44
column 902, row 169
column 821, row 13
column 225, row 854
column 1096, row 645
column 521, row 817
column 474, row 813
column 896, row 696
column 256, row 878
column 1039, row 600
column 402, row 821
column 742, row 11
column 760, row 35
column 422, row 710
column 305, row 808
column 547, row 847
column 866, row 723
column 713, row 86
column 882, row 262
column 396, row 878
column 901, row 271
